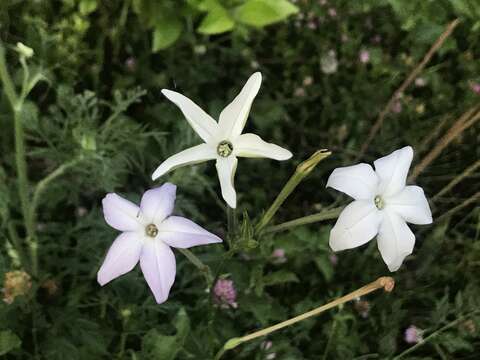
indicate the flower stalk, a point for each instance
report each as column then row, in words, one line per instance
column 384, row 282
column 302, row 171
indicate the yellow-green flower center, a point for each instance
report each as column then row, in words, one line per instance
column 151, row 230
column 224, row 148
column 379, row 203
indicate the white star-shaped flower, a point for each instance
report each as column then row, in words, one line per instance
column 148, row 233
column 224, row 141
column 383, row 205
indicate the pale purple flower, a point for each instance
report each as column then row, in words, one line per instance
column 413, row 335
column 475, row 88
column 224, row 294
column 278, row 256
column 364, row 56
column 383, row 204
column 148, row 232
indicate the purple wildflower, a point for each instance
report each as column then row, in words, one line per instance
column 278, row 256
column 413, row 335
column 225, row 294
column 364, row 56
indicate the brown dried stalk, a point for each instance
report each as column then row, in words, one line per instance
column 411, row 77
column 470, row 200
column 432, row 134
column 461, row 124
column 457, row 179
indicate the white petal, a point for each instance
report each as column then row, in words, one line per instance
column 120, row 213
column 193, row 155
column 158, row 203
column 226, row 168
column 395, row 240
column 393, row 170
column 199, row 120
column 121, row 258
column 182, row 233
column 251, row 145
column 358, row 181
column 412, row 205
column 357, row 224
column 233, row 117
column 158, row 266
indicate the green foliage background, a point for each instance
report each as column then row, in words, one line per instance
column 101, row 116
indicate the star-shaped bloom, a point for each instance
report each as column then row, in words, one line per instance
column 148, row 232
column 224, row 141
column 383, row 205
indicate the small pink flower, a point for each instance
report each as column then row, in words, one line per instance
column 225, row 294
column 397, row 107
column 413, row 335
column 364, row 56
column 332, row 12
column 475, row 88
column 278, row 256
column 333, row 259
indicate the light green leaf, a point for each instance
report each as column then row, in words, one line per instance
column 87, row 6
column 264, row 12
column 166, row 33
column 217, row 21
column 8, row 342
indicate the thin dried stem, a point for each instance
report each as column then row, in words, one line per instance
column 433, row 134
column 471, row 200
column 457, row 179
column 384, row 282
column 411, row 77
column 461, row 124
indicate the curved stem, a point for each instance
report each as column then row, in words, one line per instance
column 309, row 219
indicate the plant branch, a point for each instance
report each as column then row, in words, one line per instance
column 302, row 171
column 309, row 219
column 205, row 269
column 384, row 282
column 469, row 170
column 471, row 200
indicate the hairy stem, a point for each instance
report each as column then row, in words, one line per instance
column 309, row 219
column 385, row 282
column 302, row 171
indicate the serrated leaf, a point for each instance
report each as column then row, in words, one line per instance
column 217, row 21
column 264, row 12
column 8, row 342
column 166, row 33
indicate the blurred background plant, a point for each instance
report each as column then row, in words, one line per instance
column 95, row 121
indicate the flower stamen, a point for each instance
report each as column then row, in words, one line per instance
column 151, row 230
column 224, row 148
column 379, row 203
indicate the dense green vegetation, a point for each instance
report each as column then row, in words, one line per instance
column 94, row 121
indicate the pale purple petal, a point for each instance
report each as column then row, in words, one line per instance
column 357, row 224
column 158, row 266
column 358, row 181
column 395, row 240
column 182, row 233
column 393, row 170
column 412, row 205
column 120, row 213
column 121, row 258
column 158, row 203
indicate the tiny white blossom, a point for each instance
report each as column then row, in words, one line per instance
column 383, row 205
column 224, row 141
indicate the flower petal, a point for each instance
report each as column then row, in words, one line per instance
column 233, row 117
column 158, row 266
column 193, row 155
column 251, row 145
column 203, row 124
column 357, row 224
column 395, row 240
column 358, row 181
column 158, row 203
column 226, row 168
column 412, row 205
column 121, row 258
column 182, row 233
column 393, row 170
column 120, row 213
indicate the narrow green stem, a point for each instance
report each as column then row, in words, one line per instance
column 385, row 282
column 302, row 170
column 231, row 221
column 12, row 232
column 435, row 334
column 309, row 219
column 7, row 80
column 205, row 269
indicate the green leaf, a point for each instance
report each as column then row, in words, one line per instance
column 279, row 277
column 217, row 21
column 87, row 6
column 264, row 12
column 166, row 32
column 8, row 342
